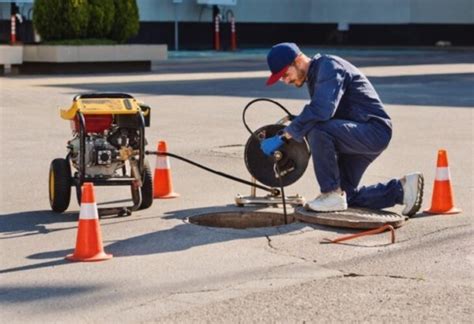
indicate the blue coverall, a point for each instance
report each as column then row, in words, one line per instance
column 347, row 128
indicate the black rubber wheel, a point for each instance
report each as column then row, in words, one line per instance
column 147, row 187
column 59, row 185
column 146, row 190
column 78, row 194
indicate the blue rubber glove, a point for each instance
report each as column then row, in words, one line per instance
column 271, row 144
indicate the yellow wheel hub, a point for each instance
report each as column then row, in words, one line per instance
column 51, row 185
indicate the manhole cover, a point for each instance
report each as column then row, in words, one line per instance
column 241, row 220
column 351, row 218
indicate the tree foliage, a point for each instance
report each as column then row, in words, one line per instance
column 80, row 19
column 101, row 18
column 48, row 18
column 126, row 22
column 76, row 18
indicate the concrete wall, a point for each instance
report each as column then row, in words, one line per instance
column 11, row 55
column 305, row 11
column 393, row 11
column 318, row 11
column 104, row 53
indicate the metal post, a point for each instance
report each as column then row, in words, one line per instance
column 176, row 31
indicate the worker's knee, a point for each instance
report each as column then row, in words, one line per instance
column 318, row 135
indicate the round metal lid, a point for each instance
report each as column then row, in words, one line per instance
column 361, row 218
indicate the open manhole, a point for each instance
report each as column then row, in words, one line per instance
column 242, row 219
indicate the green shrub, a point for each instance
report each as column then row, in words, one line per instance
column 126, row 22
column 76, row 14
column 79, row 19
column 101, row 18
column 48, row 18
column 61, row 19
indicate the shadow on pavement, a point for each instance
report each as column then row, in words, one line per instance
column 452, row 90
column 47, row 264
column 185, row 236
column 33, row 222
column 178, row 238
column 28, row 294
column 361, row 57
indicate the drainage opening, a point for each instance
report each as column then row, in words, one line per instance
column 241, row 220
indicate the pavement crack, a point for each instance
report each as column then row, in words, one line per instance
column 435, row 232
column 192, row 292
column 230, row 145
column 170, row 297
column 353, row 274
column 279, row 252
column 269, row 242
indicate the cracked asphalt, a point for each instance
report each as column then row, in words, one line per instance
column 166, row 269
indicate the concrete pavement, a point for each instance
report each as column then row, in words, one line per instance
column 167, row 270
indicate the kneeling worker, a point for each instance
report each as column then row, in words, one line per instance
column 346, row 127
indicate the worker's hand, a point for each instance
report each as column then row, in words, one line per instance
column 271, row 144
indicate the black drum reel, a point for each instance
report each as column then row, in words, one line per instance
column 282, row 169
column 292, row 158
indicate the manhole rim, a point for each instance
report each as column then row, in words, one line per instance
column 238, row 213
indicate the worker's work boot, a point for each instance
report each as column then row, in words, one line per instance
column 327, row 202
column 412, row 193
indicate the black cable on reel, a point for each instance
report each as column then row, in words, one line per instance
column 263, row 99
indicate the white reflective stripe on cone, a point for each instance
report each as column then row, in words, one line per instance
column 162, row 162
column 88, row 211
column 442, row 174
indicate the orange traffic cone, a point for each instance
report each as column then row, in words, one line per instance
column 443, row 200
column 89, row 239
column 162, row 183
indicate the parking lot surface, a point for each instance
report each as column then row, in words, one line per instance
column 168, row 270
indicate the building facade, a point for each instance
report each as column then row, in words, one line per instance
column 310, row 22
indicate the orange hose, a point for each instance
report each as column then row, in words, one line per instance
column 370, row 232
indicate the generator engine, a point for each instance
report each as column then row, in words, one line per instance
column 105, row 152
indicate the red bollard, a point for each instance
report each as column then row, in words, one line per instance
column 217, row 38
column 233, row 35
column 13, row 30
